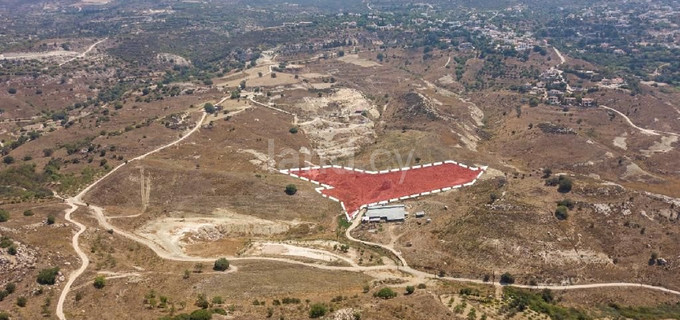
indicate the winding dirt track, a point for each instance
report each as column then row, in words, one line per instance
column 643, row 130
column 76, row 202
column 84, row 52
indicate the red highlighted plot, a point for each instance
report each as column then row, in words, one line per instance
column 355, row 188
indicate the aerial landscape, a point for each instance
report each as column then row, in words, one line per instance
column 341, row 160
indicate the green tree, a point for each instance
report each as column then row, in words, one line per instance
column 507, row 278
column 291, row 189
column 562, row 212
column 200, row 315
column 48, row 276
column 317, row 310
column 221, row 264
column 533, row 102
column 99, row 282
column 564, row 185
column 410, row 289
column 385, row 293
column 209, row 108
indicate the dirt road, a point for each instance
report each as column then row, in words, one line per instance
column 417, row 275
column 84, row 52
column 74, row 204
column 421, row 276
column 643, row 130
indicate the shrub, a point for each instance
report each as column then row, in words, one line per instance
column 50, row 219
column 385, row 293
column 317, row 310
column 562, row 212
column 200, row 315
column 28, row 213
column 21, row 301
column 12, row 91
column 99, row 282
column 8, row 160
column 291, row 189
column 567, row 203
column 564, row 184
column 547, row 172
column 4, row 215
column 5, row 242
column 4, row 316
column 48, row 276
column 507, row 278
column 410, row 289
column 209, row 108
column 293, row 130
column 202, row 302
column 221, row 264
column 12, row 250
column 10, row 288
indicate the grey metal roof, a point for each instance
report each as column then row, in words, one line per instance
column 389, row 213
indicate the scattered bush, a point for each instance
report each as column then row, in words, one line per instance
column 99, row 282
column 564, row 185
column 8, row 160
column 50, row 219
column 221, row 264
column 48, row 276
column 410, row 289
column 209, row 108
column 562, row 212
column 202, row 302
column 385, row 293
column 21, row 301
column 547, row 172
column 291, row 189
column 507, row 278
column 4, row 215
column 567, row 203
column 28, row 213
column 317, row 310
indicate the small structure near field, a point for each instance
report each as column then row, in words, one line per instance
column 420, row 214
column 392, row 213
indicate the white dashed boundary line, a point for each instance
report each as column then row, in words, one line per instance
column 349, row 216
